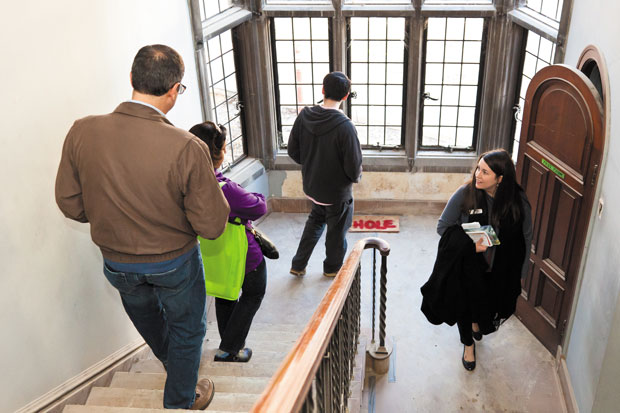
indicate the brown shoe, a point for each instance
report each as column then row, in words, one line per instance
column 204, row 394
column 330, row 274
column 298, row 273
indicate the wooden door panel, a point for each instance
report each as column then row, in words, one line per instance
column 549, row 297
column 563, row 120
column 526, row 283
column 560, row 149
column 570, row 177
column 534, row 184
column 564, row 210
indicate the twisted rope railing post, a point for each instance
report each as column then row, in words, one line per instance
column 374, row 288
column 380, row 354
column 383, row 298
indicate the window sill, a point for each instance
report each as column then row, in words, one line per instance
column 442, row 161
column 373, row 160
column 387, row 160
column 396, row 161
column 246, row 172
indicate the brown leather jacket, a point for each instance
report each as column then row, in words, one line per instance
column 146, row 187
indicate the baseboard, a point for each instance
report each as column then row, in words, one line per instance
column 364, row 206
column 565, row 383
column 76, row 389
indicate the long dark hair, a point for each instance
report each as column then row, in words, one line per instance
column 507, row 199
column 214, row 136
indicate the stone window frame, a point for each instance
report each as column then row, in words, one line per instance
column 507, row 22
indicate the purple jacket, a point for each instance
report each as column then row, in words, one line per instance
column 248, row 206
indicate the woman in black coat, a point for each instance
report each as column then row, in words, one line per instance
column 492, row 197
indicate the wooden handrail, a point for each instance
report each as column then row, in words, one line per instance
column 288, row 387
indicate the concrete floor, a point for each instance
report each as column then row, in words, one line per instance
column 514, row 372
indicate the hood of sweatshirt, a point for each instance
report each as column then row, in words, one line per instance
column 320, row 121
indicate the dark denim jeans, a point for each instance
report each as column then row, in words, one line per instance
column 338, row 218
column 234, row 318
column 168, row 310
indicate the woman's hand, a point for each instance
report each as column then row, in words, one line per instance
column 480, row 247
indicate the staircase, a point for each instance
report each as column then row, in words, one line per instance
column 237, row 385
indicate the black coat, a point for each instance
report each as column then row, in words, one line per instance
column 461, row 287
column 457, row 268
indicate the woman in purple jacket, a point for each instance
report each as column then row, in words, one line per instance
column 235, row 317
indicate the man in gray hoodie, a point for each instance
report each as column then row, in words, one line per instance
column 324, row 141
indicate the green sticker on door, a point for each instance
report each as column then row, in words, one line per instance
column 553, row 168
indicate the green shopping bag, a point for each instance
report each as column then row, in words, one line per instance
column 224, row 261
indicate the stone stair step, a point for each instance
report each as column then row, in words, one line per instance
column 153, row 399
column 212, row 368
column 255, row 334
column 256, row 345
column 268, row 327
column 72, row 408
column 155, row 381
column 258, row 356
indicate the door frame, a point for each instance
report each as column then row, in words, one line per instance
column 590, row 53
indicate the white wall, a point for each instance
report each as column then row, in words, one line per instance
column 593, row 357
column 62, row 60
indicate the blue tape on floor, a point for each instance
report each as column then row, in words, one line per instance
column 371, row 395
column 392, row 368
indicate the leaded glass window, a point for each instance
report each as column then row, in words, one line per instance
column 301, row 52
column 377, row 70
column 453, row 66
column 210, row 8
column 223, row 93
column 551, row 9
column 539, row 53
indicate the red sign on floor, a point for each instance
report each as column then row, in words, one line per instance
column 375, row 223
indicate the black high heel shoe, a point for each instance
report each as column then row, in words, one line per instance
column 477, row 335
column 469, row 365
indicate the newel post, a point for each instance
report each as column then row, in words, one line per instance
column 379, row 353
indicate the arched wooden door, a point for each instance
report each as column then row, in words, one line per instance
column 560, row 154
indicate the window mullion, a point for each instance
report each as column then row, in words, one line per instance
column 368, row 82
column 415, row 85
column 385, row 62
column 458, row 107
column 443, row 78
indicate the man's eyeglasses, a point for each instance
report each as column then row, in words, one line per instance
column 181, row 88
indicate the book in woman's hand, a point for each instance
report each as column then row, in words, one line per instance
column 477, row 232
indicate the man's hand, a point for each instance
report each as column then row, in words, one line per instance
column 480, row 247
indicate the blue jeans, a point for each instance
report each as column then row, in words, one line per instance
column 234, row 318
column 338, row 218
column 168, row 310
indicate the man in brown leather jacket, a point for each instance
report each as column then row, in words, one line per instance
column 148, row 189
